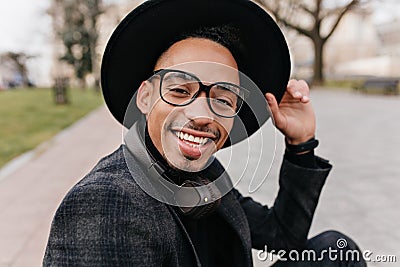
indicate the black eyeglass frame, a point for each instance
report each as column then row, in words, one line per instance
column 202, row 87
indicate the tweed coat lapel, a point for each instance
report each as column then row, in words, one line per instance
column 231, row 211
column 140, row 174
column 176, row 217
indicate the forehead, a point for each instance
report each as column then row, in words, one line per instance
column 207, row 59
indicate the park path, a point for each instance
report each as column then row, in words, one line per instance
column 360, row 134
column 30, row 195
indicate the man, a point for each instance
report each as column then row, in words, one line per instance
column 172, row 74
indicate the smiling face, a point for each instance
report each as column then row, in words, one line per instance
column 187, row 136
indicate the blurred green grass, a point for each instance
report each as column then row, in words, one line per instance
column 29, row 117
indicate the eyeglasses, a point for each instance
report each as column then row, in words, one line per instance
column 180, row 88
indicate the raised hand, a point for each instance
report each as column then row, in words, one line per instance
column 294, row 116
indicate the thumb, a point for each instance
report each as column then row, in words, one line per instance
column 274, row 107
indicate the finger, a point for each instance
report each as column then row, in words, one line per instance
column 299, row 90
column 305, row 99
column 305, row 91
column 298, row 85
column 274, row 107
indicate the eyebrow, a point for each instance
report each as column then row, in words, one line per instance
column 227, row 87
column 181, row 75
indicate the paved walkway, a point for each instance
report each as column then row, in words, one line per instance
column 30, row 195
column 359, row 134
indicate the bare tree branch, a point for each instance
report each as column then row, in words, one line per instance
column 330, row 12
column 306, row 9
column 283, row 19
column 339, row 18
column 297, row 28
column 293, row 14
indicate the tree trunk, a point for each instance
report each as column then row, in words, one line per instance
column 318, row 78
column 95, row 67
column 82, row 84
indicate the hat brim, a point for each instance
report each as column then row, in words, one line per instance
column 146, row 32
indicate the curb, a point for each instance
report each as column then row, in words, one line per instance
column 16, row 163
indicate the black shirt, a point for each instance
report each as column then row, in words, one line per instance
column 211, row 236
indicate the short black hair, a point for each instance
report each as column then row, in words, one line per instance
column 226, row 35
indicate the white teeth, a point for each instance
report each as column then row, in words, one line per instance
column 191, row 138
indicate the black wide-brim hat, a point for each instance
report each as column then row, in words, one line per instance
column 147, row 31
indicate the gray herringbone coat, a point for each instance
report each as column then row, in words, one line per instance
column 107, row 220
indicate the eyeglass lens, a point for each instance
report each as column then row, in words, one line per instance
column 180, row 89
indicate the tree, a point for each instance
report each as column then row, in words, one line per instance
column 78, row 33
column 314, row 19
column 17, row 62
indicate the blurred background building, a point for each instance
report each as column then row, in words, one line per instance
column 360, row 46
column 336, row 39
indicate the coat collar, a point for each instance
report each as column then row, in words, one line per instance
column 229, row 210
column 232, row 213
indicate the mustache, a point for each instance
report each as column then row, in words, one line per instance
column 194, row 126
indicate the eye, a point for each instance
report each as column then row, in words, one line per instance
column 223, row 102
column 177, row 90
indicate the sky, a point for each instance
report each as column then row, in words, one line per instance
column 25, row 27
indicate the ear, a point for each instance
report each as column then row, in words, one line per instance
column 144, row 96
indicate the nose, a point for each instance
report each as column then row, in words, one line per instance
column 199, row 109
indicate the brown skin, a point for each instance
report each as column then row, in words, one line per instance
column 196, row 119
column 294, row 116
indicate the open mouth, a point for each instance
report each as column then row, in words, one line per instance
column 193, row 143
column 191, row 139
